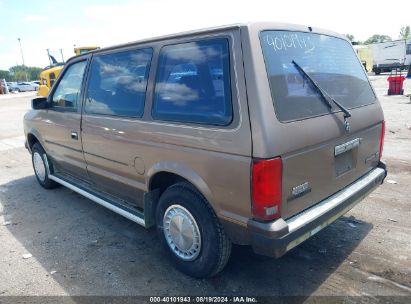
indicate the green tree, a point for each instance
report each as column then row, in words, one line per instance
column 350, row 37
column 34, row 73
column 23, row 73
column 405, row 32
column 5, row 75
column 377, row 38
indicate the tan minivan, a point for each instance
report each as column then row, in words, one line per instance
column 256, row 134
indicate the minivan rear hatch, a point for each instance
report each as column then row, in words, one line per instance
column 325, row 152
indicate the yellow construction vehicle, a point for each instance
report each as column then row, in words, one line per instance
column 47, row 78
column 365, row 54
column 50, row 73
column 84, row 49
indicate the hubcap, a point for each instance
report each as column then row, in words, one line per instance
column 182, row 233
column 39, row 166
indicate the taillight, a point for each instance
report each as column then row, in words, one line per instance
column 382, row 138
column 266, row 188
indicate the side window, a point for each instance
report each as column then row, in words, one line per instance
column 52, row 79
column 193, row 83
column 67, row 93
column 118, row 83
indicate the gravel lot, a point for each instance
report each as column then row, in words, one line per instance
column 80, row 248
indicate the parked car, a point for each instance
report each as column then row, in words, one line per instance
column 256, row 134
column 27, row 86
column 11, row 86
column 24, row 87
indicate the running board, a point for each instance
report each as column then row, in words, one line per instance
column 133, row 215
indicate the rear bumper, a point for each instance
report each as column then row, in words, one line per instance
column 277, row 237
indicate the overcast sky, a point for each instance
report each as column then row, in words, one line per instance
column 55, row 24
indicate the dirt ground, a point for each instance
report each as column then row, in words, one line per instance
column 80, row 248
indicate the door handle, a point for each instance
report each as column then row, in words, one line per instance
column 74, row 135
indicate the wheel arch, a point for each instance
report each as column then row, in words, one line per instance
column 164, row 174
column 33, row 136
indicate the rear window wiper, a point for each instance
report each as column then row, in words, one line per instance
column 325, row 96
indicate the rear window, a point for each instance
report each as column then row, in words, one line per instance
column 330, row 61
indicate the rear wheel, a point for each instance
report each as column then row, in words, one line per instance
column 40, row 166
column 190, row 232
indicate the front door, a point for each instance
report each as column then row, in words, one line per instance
column 63, row 136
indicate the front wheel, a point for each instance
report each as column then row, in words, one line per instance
column 41, row 169
column 190, row 232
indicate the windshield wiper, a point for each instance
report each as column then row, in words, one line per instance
column 325, row 96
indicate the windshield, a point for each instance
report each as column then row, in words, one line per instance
column 330, row 61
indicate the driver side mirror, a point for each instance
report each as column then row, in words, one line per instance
column 39, row 103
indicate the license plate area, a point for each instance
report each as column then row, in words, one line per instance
column 346, row 156
column 344, row 163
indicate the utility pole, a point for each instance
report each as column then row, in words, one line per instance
column 22, row 58
column 61, row 52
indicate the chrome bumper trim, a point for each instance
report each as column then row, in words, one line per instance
column 309, row 215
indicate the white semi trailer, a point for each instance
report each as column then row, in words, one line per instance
column 391, row 54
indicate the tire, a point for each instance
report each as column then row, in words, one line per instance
column 38, row 156
column 210, row 250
